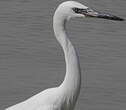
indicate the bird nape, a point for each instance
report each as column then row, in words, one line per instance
column 64, row 97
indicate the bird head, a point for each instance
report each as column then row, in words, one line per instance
column 71, row 9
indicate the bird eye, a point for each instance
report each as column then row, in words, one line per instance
column 79, row 10
column 76, row 10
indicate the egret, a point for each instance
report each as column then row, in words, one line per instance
column 64, row 97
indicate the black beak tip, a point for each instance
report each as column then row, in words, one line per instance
column 118, row 18
column 109, row 16
column 122, row 19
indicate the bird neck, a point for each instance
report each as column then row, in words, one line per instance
column 72, row 80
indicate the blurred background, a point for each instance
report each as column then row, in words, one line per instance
column 31, row 60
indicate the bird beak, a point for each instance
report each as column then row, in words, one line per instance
column 91, row 13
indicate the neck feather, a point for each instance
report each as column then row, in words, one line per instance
column 72, row 80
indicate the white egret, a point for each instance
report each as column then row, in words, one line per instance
column 65, row 96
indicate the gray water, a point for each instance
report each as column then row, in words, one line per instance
column 31, row 60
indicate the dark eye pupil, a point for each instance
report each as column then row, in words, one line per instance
column 76, row 10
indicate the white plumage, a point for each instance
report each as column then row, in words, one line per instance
column 65, row 96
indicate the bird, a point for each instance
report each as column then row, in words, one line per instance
column 64, row 97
